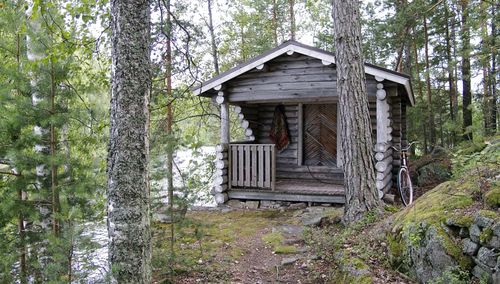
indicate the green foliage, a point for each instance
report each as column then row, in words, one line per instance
column 471, row 156
column 67, row 81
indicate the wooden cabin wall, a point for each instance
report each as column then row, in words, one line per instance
column 372, row 108
column 289, row 79
column 397, row 130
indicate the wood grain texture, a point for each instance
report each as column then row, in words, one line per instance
column 320, row 135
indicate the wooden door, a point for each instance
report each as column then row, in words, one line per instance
column 320, row 135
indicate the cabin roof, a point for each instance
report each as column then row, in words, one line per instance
column 292, row 46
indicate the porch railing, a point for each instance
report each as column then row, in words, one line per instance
column 252, row 165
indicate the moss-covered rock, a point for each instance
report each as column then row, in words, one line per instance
column 492, row 197
column 433, row 173
column 423, row 245
column 426, row 239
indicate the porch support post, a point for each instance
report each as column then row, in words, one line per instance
column 382, row 151
column 224, row 118
column 223, row 161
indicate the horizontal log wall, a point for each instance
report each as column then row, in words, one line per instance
column 397, row 130
column 289, row 78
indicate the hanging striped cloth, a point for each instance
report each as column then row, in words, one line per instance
column 279, row 129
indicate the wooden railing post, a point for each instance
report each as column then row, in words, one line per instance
column 273, row 167
column 252, row 165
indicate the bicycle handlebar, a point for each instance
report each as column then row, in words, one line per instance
column 405, row 149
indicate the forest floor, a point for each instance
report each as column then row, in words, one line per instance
column 307, row 245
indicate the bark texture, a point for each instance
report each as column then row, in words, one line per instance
column 128, row 185
column 466, row 84
column 215, row 54
column 359, row 171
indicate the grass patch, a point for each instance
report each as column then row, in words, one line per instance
column 275, row 240
column 206, row 241
column 285, row 249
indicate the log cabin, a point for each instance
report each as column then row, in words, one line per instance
column 286, row 100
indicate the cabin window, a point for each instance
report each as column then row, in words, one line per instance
column 319, row 137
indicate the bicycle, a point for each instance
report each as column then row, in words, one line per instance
column 405, row 186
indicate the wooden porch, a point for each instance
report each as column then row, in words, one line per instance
column 252, row 174
column 297, row 190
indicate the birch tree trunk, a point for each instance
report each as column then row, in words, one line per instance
column 359, row 171
column 128, row 185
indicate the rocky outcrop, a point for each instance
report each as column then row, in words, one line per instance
column 453, row 228
column 483, row 246
column 432, row 169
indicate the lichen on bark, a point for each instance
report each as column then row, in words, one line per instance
column 128, row 182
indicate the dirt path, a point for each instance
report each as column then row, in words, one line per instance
column 261, row 246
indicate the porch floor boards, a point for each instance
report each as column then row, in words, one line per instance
column 308, row 187
column 293, row 190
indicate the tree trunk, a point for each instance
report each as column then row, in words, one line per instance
column 451, row 75
column 466, row 93
column 212, row 37
column 489, row 81
column 485, row 64
column 291, row 3
column 275, row 22
column 432, row 127
column 53, row 167
column 169, row 161
column 128, row 184
column 420, row 92
column 493, row 75
column 359, row 171
column 20, row 194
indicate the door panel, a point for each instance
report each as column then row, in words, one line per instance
column 320, row 135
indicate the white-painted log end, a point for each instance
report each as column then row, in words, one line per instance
column 219, row 99
column 221, row 147
column 381, row 94
column 248, row 132
column 220, row 198
column 220, row 188
column 326, row 62
column 218, row 87
column 250, row 138
column 221, row 164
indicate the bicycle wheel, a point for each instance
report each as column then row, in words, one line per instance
column 405, row 187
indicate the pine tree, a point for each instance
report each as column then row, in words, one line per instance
column 128, row 184
column 359, row 170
